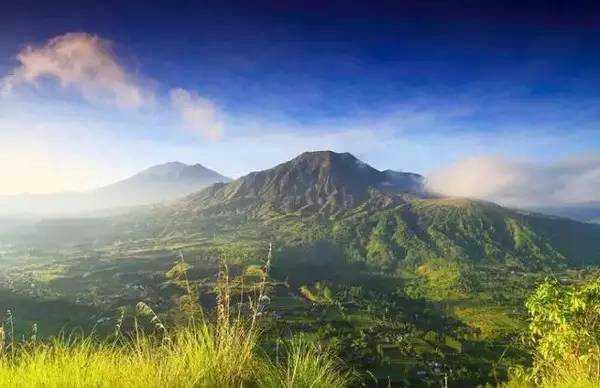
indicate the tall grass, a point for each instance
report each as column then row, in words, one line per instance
column 197, row 357
column 219, row 352
column 306, row 365
column 576, row 374
column 573, row 371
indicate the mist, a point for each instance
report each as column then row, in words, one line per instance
column 521, row 183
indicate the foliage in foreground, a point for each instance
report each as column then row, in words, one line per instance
column 195, row 357
column 565, row 330
column 224, row 352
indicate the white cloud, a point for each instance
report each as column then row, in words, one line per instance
column 82, row 62
column 199, row 114
column 87, row 64
column 514, row 183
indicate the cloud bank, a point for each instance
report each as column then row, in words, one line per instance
column 88, row 65
column 521, row 184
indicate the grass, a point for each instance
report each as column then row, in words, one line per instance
column 198, row 356
column 575, row 374
column 220, row 352
column 307, row 366
column 491, row 321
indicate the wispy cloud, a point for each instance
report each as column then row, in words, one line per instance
column 515, row 183
column 199, row 114
column 88, row 65
column 85, row 63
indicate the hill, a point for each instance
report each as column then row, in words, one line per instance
column 462, row 230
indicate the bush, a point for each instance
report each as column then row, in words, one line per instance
column 565, row 333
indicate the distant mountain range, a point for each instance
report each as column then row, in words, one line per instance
column 584, row 212
column 164, row 182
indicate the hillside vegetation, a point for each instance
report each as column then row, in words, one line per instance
column 383, row 222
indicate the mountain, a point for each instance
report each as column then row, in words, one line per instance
column 382, row 219
column 159, row 183
column 177, row 171
column 321, row 182
column 584, row 212
column 404, row 182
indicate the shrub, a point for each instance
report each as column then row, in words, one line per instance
column 565, row 333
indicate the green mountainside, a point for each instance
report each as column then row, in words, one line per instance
column 321, row 182
column 384, row 223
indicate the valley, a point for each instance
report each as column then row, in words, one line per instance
column 410, row 287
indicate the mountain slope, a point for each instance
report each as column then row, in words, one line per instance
column 159, row 183
column 381, row 222
column 461, row 230
column 321, row 182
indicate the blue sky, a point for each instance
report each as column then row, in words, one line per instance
column 418, row 86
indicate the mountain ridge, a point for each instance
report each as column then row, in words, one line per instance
column 337, row 198
column 177, row 170
column 317, row 181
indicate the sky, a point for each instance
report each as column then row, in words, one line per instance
column 496, row 100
